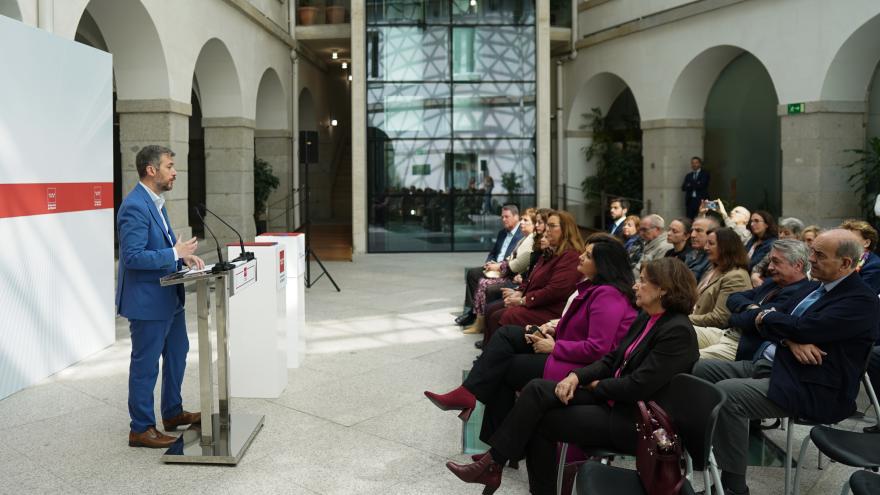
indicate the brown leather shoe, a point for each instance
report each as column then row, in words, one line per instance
column 184, row 418
column 151, row 438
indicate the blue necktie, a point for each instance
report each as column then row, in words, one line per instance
column 808, row 301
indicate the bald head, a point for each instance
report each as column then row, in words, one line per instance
column 651, row 226
column 835, row 254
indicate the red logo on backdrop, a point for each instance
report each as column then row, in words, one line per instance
column 281, row 263
column 245, row 272
column 52, row 198
column 96, row 196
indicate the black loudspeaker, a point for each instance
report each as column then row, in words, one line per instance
column 308, row 146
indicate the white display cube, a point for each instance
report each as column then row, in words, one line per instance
column 295, row 246
column 258, row 334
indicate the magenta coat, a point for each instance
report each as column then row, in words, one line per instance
column 592, row 326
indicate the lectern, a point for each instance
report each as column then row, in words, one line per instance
column 222, row 438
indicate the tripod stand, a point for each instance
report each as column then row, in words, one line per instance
column 307, row 223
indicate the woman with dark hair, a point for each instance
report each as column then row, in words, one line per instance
column 679, row 235
column 542, row 297
column 595, row 406
column 764, row 231
column 594, row 320
column 727, row 275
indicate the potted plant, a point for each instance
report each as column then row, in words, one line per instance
column 335, row 13
column 264, row 183
column 306, row 13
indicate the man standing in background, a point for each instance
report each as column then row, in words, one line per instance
column 695, row 187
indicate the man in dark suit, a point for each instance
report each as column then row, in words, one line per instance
column 149, row 250
column 695, row 187
column 618, row 208
column 789, row 262
column 505, row 243
column 820, row 344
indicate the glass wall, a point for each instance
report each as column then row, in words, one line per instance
column 451, row 120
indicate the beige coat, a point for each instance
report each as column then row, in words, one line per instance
column 518, row 262
column 711, row 307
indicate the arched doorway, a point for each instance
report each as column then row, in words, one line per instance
column 272, row 149
column 742, row 143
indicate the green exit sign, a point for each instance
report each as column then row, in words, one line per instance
column 795, row 108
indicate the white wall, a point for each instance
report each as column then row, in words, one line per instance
column 56, row 269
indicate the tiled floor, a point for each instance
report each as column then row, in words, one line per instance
column 352, row 420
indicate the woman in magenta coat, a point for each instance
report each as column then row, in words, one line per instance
column 554, row 277
column 597, row 316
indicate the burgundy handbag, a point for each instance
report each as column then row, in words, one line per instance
column 659, row 459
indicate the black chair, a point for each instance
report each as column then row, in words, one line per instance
column 852, row 448
column 863, row 483
column 693, row 404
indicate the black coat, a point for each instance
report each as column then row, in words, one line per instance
column 669, row 349
column 843, row 323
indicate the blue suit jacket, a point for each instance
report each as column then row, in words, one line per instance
column 760, row 252
column 499, row 242
column 843, row 323
column 145, row 256
column 773, row 296
column 870, row 272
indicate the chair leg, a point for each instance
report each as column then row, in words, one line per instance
column 788, row 439
column 869, row 388
column 560, row 469
column 713, row 465
column 797, row 473
column 707, row 482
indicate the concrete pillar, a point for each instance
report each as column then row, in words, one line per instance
column 358, row 128
column 543, row 106
column 577, row 169
column 229, row 172
column 166, row 123
column 667, row 148
column 274, row 146
column 814, row 182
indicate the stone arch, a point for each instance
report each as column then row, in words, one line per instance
column 218, row 81
column 139, row 62
column 693, row 85
column 852, row 68
column 600, row 91
column 10, row 9
column 271, row 102
column 306, row 112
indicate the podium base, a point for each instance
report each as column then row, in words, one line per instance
column 229, row 445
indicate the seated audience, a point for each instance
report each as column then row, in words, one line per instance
column 809, row 234
column 507, row 239
column 763, row 229
column 812, row 371
column 789, row 264
column 554, row 277
column 697, row 260
column 632, row 241
column 868, row 265
column 789, row 228
column 506, row 270
column 727, row 275
column 595, row 406
column 739, row 221
column 652, row 229
column 596, row 317
column 679, row 235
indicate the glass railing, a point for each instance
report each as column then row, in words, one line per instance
column 312, row 12
column 560, row 13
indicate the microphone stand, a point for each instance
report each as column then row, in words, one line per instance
column 245, row 255
column 220, row 266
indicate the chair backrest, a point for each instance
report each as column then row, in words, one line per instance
column 693, row 404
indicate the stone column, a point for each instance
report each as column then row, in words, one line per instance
column 229, row 172
column 274, row 147
column 814, row 182
column 166, row 123
column 543, row 106
column 667, row 148
column 358, row 128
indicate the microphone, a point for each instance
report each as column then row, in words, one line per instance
column 245, row 256
column 221, row 265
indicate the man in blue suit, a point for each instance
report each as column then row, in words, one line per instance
column 148, row 250
column 505, row 243
column 820, row 343
column 695, row 187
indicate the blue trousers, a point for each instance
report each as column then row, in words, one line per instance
column 151, row 339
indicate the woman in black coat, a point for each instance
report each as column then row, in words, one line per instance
column 595, row 406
